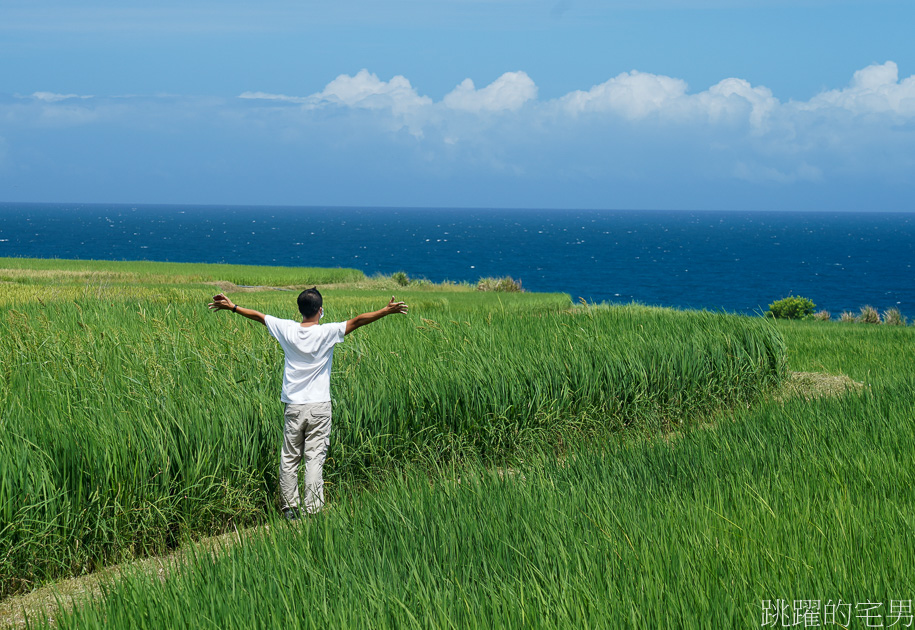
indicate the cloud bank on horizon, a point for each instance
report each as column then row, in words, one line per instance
column 635, row 140
column 633, row 95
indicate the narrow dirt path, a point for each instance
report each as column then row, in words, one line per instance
column 44, row 601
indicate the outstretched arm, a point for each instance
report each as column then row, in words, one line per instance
column 368, row 318
column 221, row 302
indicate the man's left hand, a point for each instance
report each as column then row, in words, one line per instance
column 395, row 307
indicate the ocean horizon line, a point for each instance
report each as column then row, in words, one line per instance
column 442, row 207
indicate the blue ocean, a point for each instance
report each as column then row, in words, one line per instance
column 733, row 261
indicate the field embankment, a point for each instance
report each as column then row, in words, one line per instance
column 133, row 418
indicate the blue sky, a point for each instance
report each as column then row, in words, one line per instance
column 753, row 104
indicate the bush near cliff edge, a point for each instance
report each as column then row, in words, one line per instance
column 791, row 307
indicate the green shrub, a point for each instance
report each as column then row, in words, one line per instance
column 400, row 278
column 869, row 315
column 791, row 307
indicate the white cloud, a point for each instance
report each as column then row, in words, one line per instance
column 874, row 89
column 51, row 97
column 731, row 96
column 509, row 92
column 637, row 95
column 632, row 94
column 366, row 91
column 272, row 97
column 396, row 102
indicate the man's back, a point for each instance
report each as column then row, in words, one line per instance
column 309, row 354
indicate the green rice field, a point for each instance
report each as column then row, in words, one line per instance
column 39, row 271
column 498, row 460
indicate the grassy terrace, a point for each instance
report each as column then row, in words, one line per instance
column 38, row 271
column 496, row 459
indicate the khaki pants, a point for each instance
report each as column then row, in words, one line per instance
column 306, row 434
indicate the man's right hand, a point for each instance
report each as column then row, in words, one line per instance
column 220, row 302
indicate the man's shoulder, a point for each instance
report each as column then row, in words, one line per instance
column 276, row 324
column 335, row 329
column 279, row 320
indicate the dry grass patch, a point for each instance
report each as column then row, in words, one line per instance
column 65, row 274
column 811, row 385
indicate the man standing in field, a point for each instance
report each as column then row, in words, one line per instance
column 309, row 350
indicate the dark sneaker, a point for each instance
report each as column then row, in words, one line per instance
column 291, row 514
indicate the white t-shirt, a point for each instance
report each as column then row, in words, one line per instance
column 309, row 353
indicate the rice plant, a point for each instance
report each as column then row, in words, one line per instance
column 132, row 418
column 800, row 500
column 779, row 502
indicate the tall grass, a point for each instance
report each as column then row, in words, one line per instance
column 807, row 500
column 129, row 423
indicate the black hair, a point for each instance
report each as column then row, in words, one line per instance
column 310, row 302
